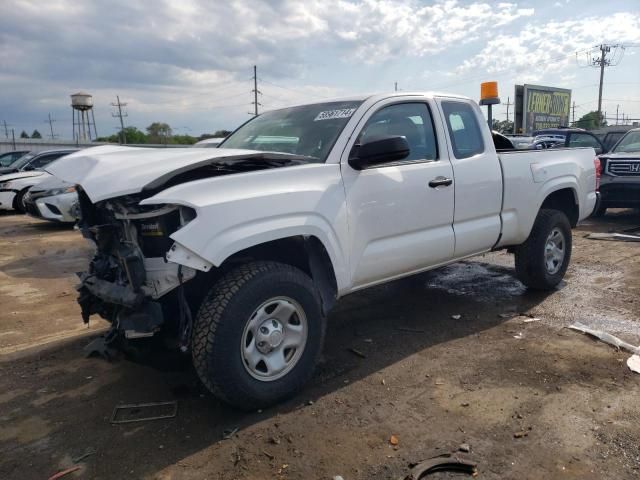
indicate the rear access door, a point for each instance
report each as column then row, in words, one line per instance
column 478, row 177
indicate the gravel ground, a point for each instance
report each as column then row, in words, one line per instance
column 532, row 399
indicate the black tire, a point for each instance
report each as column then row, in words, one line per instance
column 600, row 211
column 530, row 256
column 220, row 324
column 18, row 201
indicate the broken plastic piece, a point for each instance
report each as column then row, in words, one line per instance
column 623, row 237
column 633, row 362
column 606, row 338
column 449, row 462
column 167, row 410
column 64, row 472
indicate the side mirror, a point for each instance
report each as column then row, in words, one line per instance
column 599, row 150
column 29, row 168
column 379, row 150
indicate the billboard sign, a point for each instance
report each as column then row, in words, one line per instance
column 545, row 107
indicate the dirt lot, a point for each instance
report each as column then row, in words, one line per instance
column 433, row 381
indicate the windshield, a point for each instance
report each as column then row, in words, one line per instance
column 22, row 161
column 309, row 130
column 629, row 143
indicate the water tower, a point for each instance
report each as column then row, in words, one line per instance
column 83, row 118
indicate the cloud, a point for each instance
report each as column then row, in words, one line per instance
column 550, row 47
column 192, row 59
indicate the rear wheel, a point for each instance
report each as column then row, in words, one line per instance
column 258, row 334
column 542, row 260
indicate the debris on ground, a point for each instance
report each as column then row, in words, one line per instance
column 448, row 462
column 268, row 455
column 229, row 433
column 409, row 330
column 606, row 338
column 337, row 477
column 633, row 362
column 464, row 447
column 357, row 352
column 133, row 412
column 520, row 434
column 393, row 440
column 531, row 319
column 87, row 453
column 621, row 237
column 519, row 336
column 64, row 472
column 456, row 317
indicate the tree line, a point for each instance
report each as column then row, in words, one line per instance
column 35, row 134
column 158, row 133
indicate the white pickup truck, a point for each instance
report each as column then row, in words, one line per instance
column 238, row 253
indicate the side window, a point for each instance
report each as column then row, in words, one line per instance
column 410, row 120
column 583, row 140
column 44, row 160
column 465, row 133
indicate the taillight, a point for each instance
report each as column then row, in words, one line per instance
column 598, row 167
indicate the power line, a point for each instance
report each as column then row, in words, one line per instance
column 120, row 115
column 609, row 55
column 299, row 92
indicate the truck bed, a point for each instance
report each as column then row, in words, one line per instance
column 552, row 169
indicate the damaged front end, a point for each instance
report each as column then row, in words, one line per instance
column 130, row 283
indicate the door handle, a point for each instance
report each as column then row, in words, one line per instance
column 440, row 182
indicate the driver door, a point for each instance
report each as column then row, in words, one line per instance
column 398, row 223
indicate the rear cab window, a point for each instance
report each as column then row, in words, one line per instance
column 463, row 127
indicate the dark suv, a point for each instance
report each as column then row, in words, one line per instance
column 620, row 181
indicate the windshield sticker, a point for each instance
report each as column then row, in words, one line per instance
column 331, row 114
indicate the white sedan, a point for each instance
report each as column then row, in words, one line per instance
column 14, row 186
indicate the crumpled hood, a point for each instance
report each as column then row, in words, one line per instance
column 18, row 175
column 112, row 171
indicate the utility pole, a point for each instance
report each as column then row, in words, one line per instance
column 51, row 120
column 123, row 137
column 6, row 129
column 13, row 137
column 395, row 87
column 508, row 105
column 573, row 114
column 601, row 62
column 255, row 91
column 617, row 107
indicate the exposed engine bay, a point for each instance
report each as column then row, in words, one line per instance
column 129, row 275
column 136, row 278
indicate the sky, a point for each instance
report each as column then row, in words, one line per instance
column 190, row 62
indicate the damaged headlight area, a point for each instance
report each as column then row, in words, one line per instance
column 130, row 281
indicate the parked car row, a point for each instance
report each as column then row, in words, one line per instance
column 25, row 186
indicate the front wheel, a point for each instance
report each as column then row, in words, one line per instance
column 258, row 334
column 542, row 260
column 18, row 202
